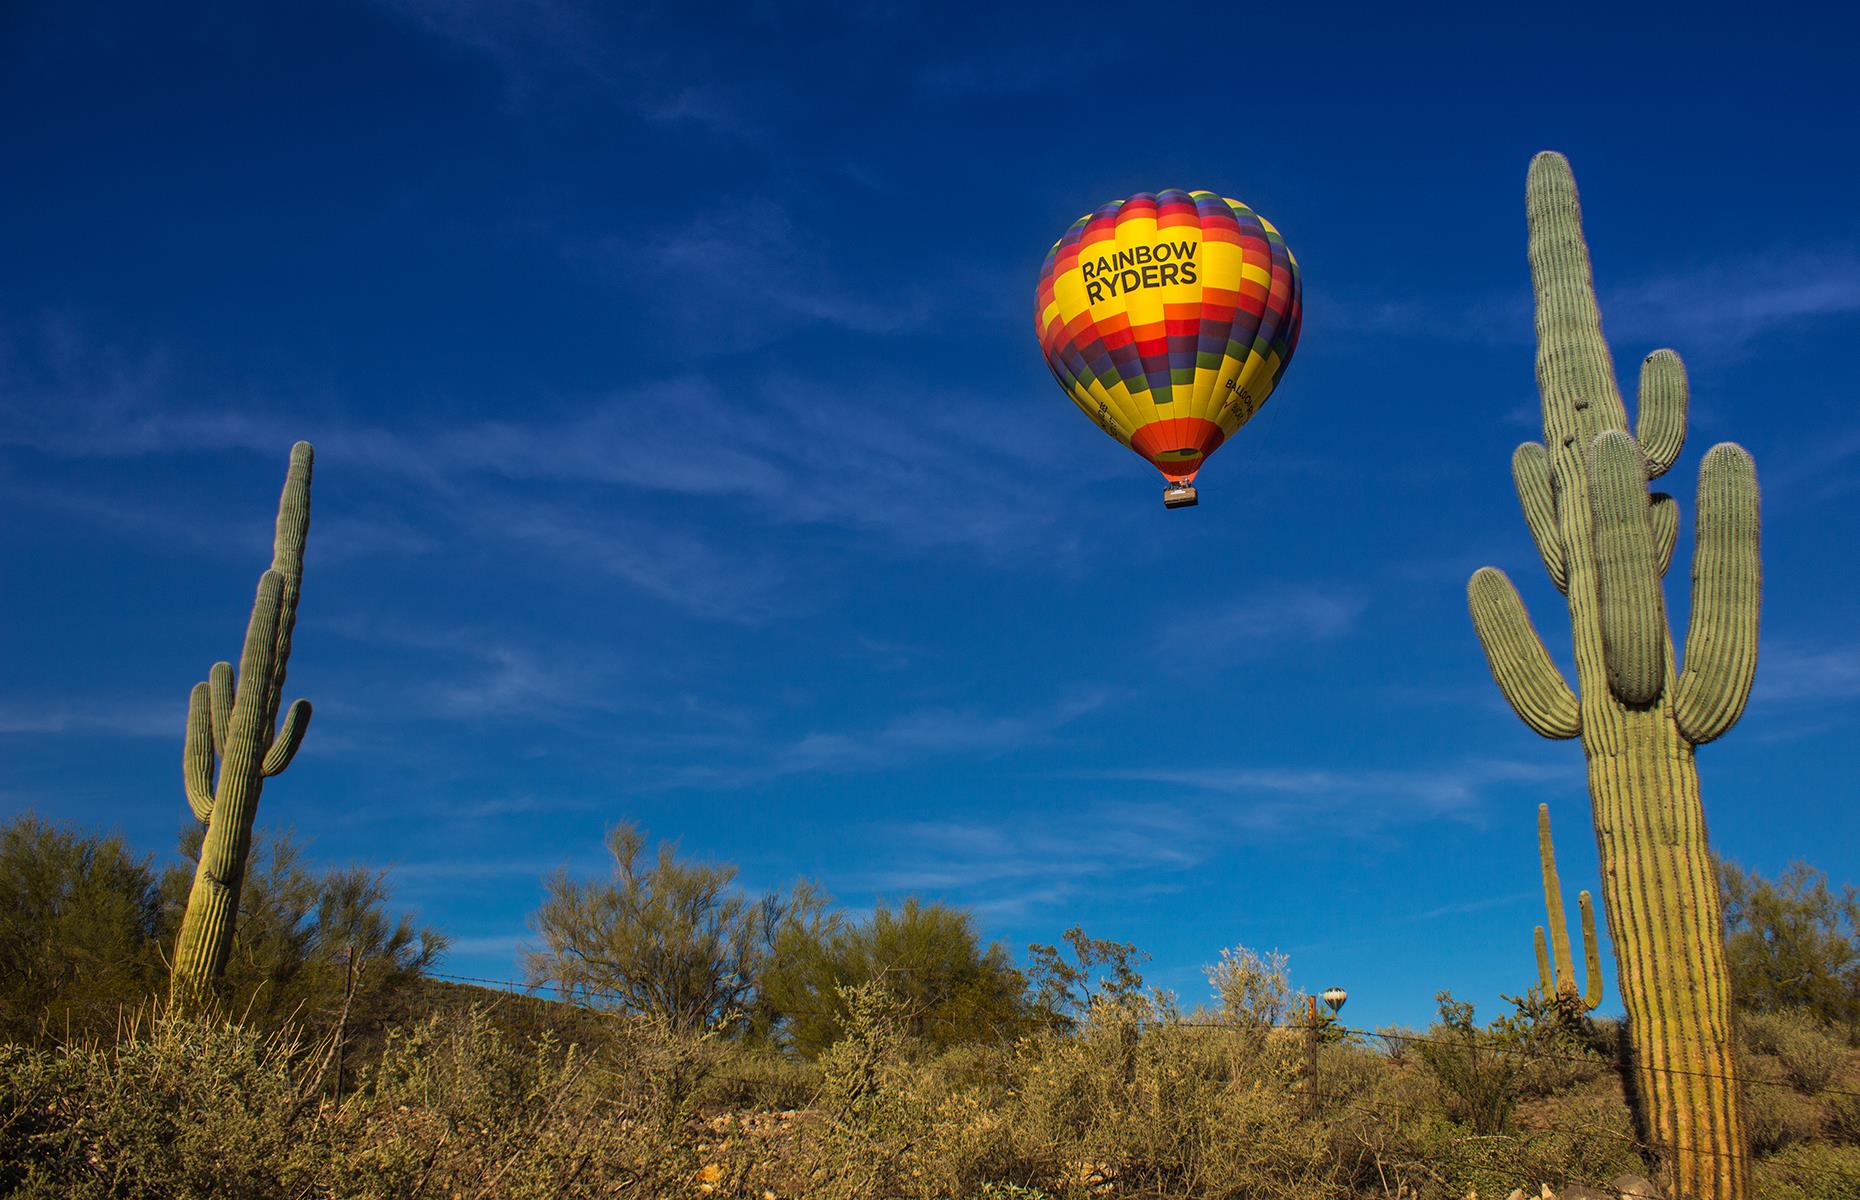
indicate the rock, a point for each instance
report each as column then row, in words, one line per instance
column 1634, row 1185
column 1582, row 1191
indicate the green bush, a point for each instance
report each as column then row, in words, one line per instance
column 178, row 1107
column 1793, row 942
column 1809, row 1172
column 1811, row 1053
column 947, row 985
column 78, row 921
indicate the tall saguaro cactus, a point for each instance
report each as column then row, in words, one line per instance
column 1556, row 967
column 236, row 725
column 1606, row 544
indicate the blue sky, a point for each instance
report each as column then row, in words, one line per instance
column 685, row 455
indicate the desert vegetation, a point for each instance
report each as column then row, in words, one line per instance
column 682, row 1037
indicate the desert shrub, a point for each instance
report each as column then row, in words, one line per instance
column 1775, row 1113
column 1480, row 1080
column 668, row 938
column 1810, row 1052
column 181, row 1106
column 458, row 1107
column 1099, row 970
column 1793, row 942
column 78, row 921
column 887, row 1124
column 1809, row 1172
column 1253, row 993
column 1484, row 1073
column 948, row 987
column 756, row 1077
column 1844, row 1111
column 1141, row 1102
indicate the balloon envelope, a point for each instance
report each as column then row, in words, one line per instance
column 1169, row 318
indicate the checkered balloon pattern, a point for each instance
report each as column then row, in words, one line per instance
column 1168, row 318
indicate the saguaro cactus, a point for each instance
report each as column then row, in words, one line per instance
column 1606, row 544
column 1558, row 976
column 233, row 724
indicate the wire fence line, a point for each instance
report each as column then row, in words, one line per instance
column 1327, row 1024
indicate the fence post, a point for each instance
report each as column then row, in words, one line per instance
column 1311, row 1055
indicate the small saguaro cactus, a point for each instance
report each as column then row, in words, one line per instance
column 235, row 724
column 1606, row 544
column 1557, row 975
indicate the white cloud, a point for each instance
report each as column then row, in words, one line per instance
column 747, row 273
column 1262, row 623
column 111, row 718
column 1721, row 307
column 1792, row 672
column 1295, row 799
column 912, row 737
column 1715, row 310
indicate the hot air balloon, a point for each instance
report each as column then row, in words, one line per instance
column 1169, row 318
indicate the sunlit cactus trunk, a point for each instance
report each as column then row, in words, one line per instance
column 1606, row 544
column 233, row 725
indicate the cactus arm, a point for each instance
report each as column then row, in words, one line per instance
column 1660, row 420
column 287, row 559
column 1553, row 903
column 1591, row 952
column 1633, row 614
column 1530, row 472
column 1727, row 577
column 1663, row 518
column 220, row 702
column 1575, row 372
column 1546, row 982
column 1516, row 655
column 197, row 753
column 290, row 736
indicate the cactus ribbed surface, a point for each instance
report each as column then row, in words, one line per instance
column 1606, row 542
column 232, row 724
column 1557, row 974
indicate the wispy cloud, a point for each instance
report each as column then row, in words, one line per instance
column 481, row 673
column 1291, row 799
column 909, row 738
column 532, row 43
column 1004, row 871
column 750, row 269
column 1717, row 310
column 1473, row 906
column 110, row 718
column 1262, row 623
column 1010, row 869
column 926, row 471
column 1720, row 308
column 1793, row 672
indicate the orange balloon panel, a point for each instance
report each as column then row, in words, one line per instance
column 1169, row 318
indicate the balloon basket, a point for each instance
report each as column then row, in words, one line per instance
column 1180, row 495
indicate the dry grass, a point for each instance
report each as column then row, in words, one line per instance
column 489, row 1101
